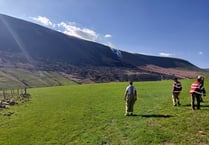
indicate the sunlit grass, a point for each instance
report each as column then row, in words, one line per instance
column 94, row 114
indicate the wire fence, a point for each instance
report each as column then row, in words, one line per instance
column 10, row 96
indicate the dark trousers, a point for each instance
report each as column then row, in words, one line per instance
column 198, row 99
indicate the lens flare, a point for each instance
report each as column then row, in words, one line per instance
column 17, row 40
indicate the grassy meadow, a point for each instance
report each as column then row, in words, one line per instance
column 94, row 114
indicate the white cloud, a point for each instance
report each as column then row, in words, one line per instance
column 200, row 53
column 43, row 20
column 73, row 30
column 107, row 36
column 165, row 54
column 144, row 53
column 109, row 44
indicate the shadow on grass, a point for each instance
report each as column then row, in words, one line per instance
column 201, row 105
column 204, row 105
column 153, row 115
column 187, row 105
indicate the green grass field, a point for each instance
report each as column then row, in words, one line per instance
column 94, row 114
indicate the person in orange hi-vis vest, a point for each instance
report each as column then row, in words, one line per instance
column 196, row 91
column 130, row 98
column 176, row 89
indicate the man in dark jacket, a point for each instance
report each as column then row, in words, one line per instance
column 203, row 91
column 176, row 89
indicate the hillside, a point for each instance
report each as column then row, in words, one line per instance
column 30, row 46
column 17, row 77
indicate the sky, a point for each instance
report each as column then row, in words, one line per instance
column 167, row 28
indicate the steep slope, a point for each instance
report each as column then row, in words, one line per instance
column 38, row 43
column 30, row 46
column 166, row 62
column 16, row 77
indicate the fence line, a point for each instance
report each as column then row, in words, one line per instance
column 10, row 96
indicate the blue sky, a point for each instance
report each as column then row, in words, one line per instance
column 172, row 28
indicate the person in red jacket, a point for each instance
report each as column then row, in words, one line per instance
column 176, row 89
column 196, row 91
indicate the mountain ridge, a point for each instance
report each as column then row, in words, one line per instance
column 31, row 46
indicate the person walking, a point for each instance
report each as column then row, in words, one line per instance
column 176, row 89
column 196, row 91
column 130, row 98
column 203, row 91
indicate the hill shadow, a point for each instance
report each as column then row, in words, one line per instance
column 153, row 115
